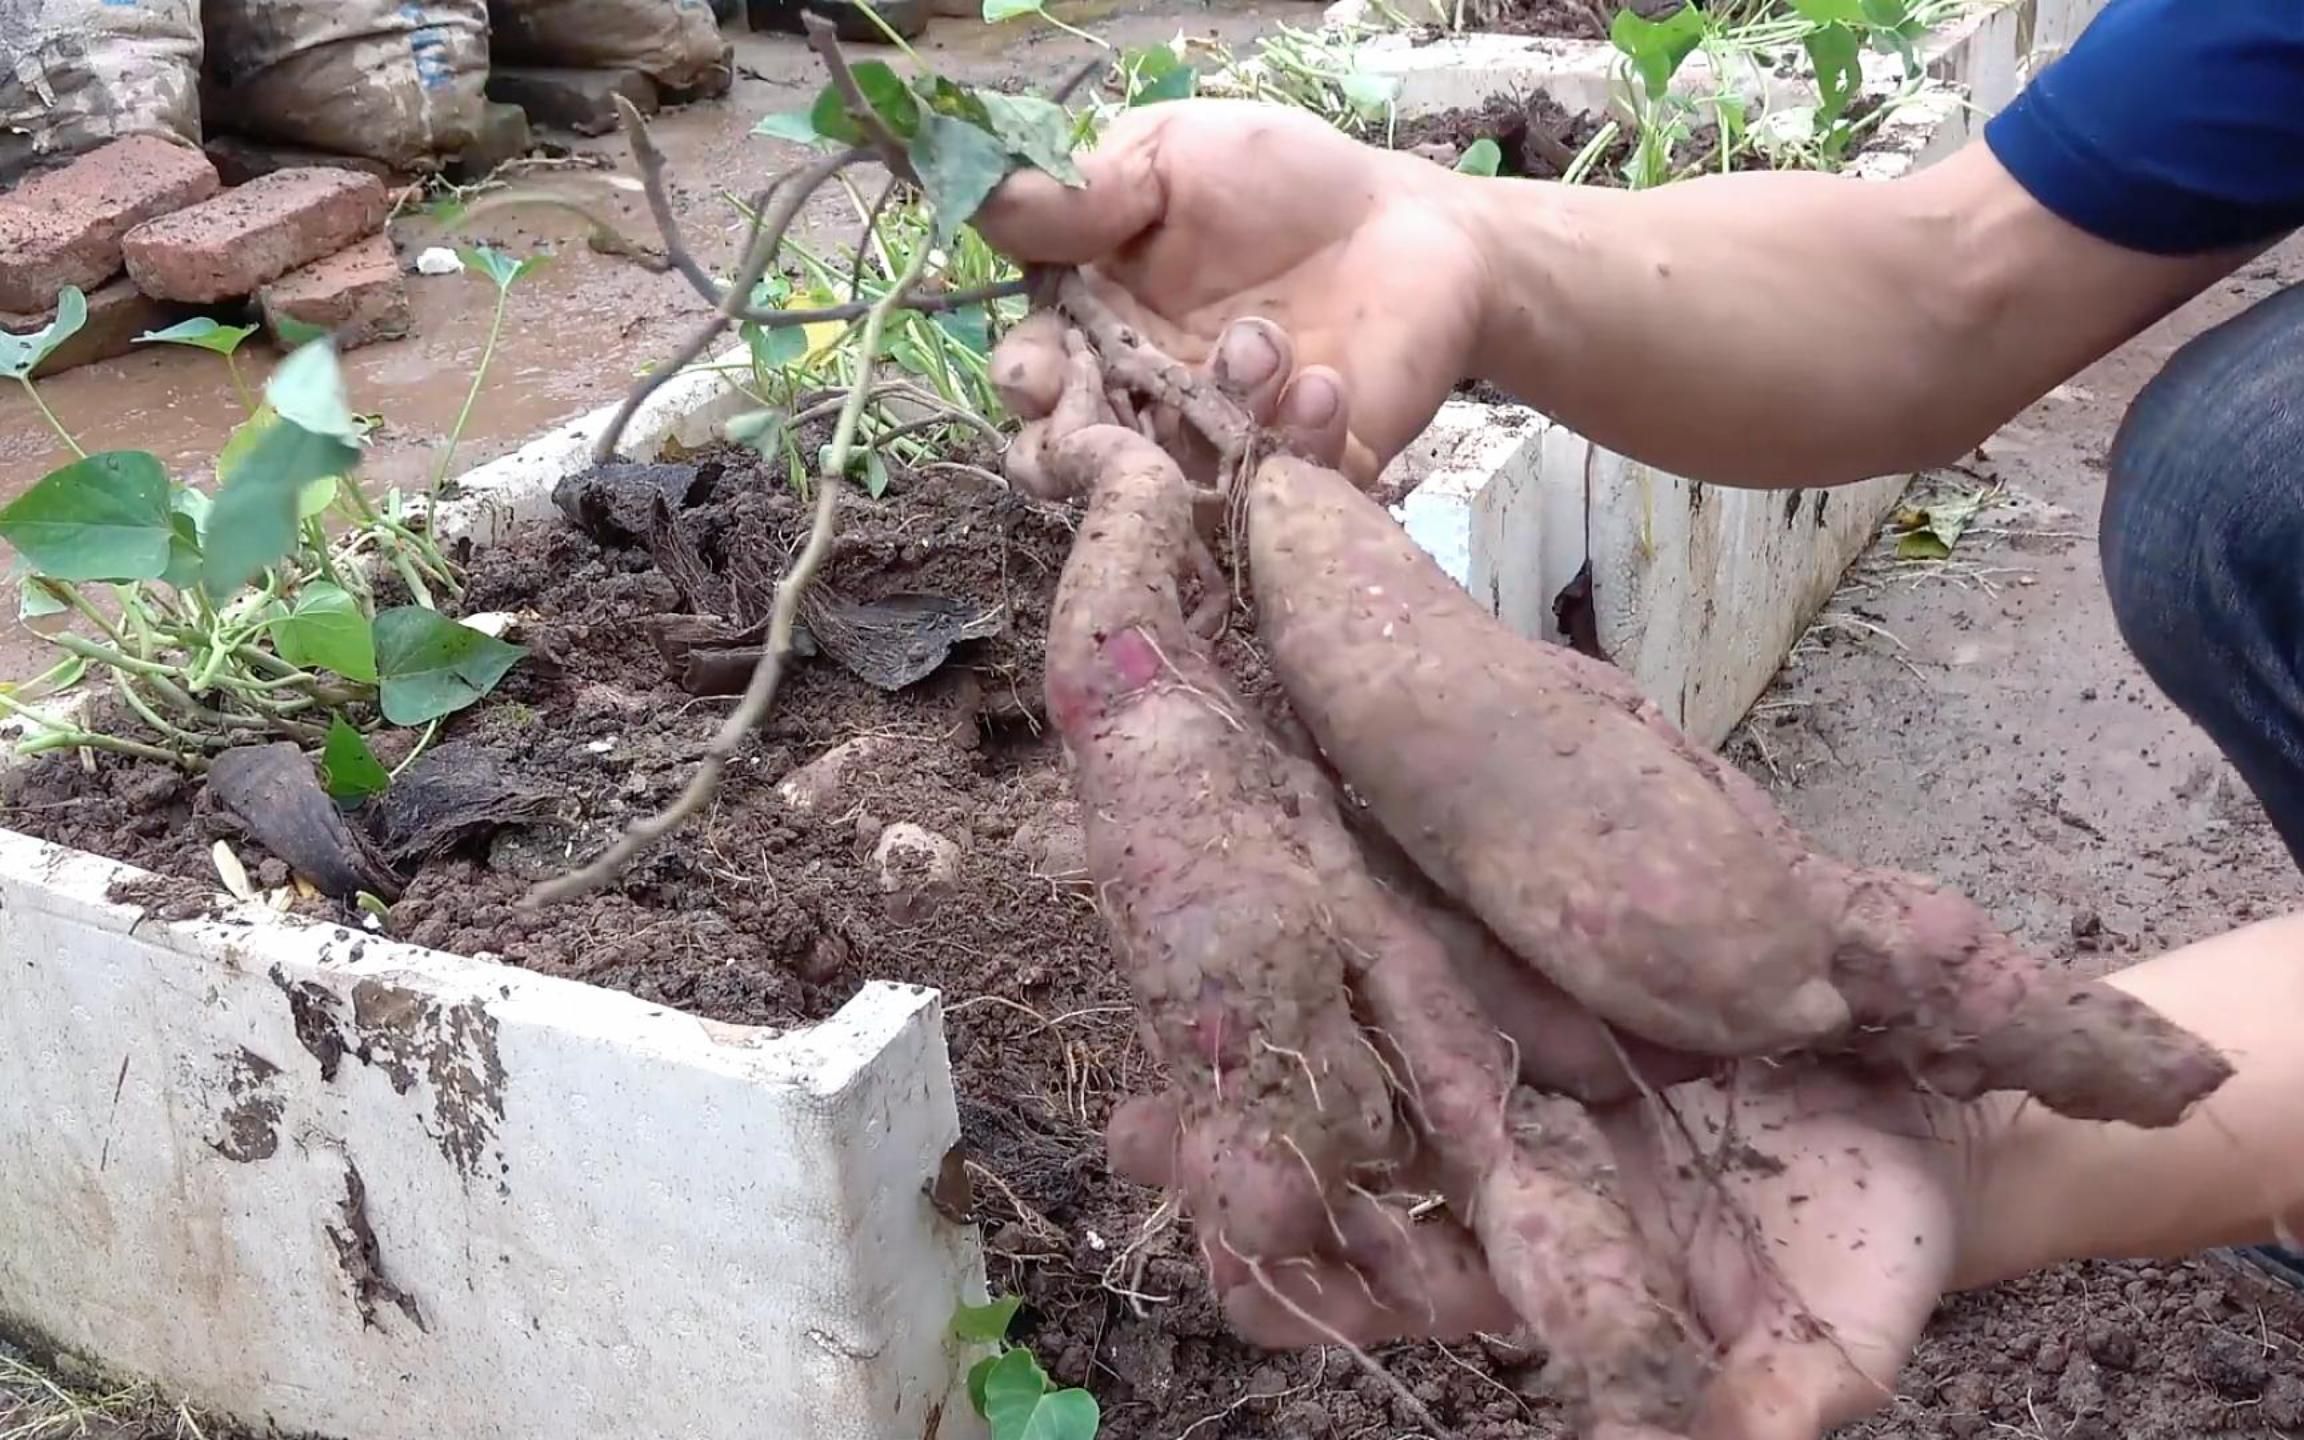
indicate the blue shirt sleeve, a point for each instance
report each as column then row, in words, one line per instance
column 2170, row 126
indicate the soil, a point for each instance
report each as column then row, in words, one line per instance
column 2088, row 817
column 1555, row 19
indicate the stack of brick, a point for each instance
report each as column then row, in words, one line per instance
column 305, row 244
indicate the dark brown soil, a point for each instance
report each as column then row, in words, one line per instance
column 761, row 914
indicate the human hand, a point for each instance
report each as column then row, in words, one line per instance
column 1346, row 263
column 1809, row 1243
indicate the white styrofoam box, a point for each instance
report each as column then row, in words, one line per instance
column 316, row 1181
column 1697, row 590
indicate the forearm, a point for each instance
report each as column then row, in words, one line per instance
column 1790, row 329
column 2042, row 1188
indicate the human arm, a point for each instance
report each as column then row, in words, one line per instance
column 1793, row 329
column 2042, row 1189
column 1755, row 328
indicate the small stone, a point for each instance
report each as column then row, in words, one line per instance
column 65, row 226
column 2231, row 1366
column 2051, row 1359
column 2284, row 1402
column 580, row 100
column 2113, row 1346
column 918, row 870
column 820, row 786
column 1053, row 845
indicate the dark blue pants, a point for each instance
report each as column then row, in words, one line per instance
column 2203, row 549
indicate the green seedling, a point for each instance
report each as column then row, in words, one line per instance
column 20, row 355
column 203, row 333
column 223, row 617
column 1009, row 1388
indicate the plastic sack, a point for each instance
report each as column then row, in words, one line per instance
column 392, row 80
column 675, row 43
column 76, row 73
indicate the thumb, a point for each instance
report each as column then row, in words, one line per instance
column 1036, row 219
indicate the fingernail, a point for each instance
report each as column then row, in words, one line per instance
column 1311, row 403
column 1245, row 357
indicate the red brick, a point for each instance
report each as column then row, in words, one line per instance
column 232, row 244
column 117, row 314
column 64, row 227
column 357, row 294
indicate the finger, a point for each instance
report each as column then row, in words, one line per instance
column 1313, row 418
column 1083, row 402
column 1772, row 1386
column 1035, row 218
column 1252, row 364
column 1402, row 1279
column 1141, row 1139
column 1028, row 365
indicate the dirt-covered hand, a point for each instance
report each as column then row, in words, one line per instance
column 1809, row 1237
column 1200, row 213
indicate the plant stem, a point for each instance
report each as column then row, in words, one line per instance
column 239, row 384
column 58, row 736
column 151, row 717
column 423, row 741
column 120, row 660
column 50, row 416
column 480, row 374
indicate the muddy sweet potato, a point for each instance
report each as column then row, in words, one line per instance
column 1252, row 930
column 1541, row 790
column 1211, row 905
column 1562, row 822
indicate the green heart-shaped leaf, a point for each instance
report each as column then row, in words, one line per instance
column 1657, row 48
column 1035, row 131
column 105, row 517
column 795, row 125
column 252, row 521
column 202, row 332
column 428, row 666
column 959, row 166
column 324, row 629
column 986, row 1324
column 349, row 770
column 20, row 355
column 498, row 266
column 1481, row 157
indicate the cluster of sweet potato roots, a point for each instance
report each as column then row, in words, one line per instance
column 1477, row 884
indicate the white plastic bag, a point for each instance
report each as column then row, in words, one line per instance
column 76, row 73
column 393, row 80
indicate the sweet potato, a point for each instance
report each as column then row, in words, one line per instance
column 1460, row 734
column 1561, row 821
column 1204, row 883
column 1240, row 902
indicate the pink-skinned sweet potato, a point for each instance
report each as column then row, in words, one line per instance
column 1212, row 906
column 1562, row 822
column 1238, row 899
column 1526, row 780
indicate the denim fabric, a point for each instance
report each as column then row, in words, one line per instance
column 2203, row 549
